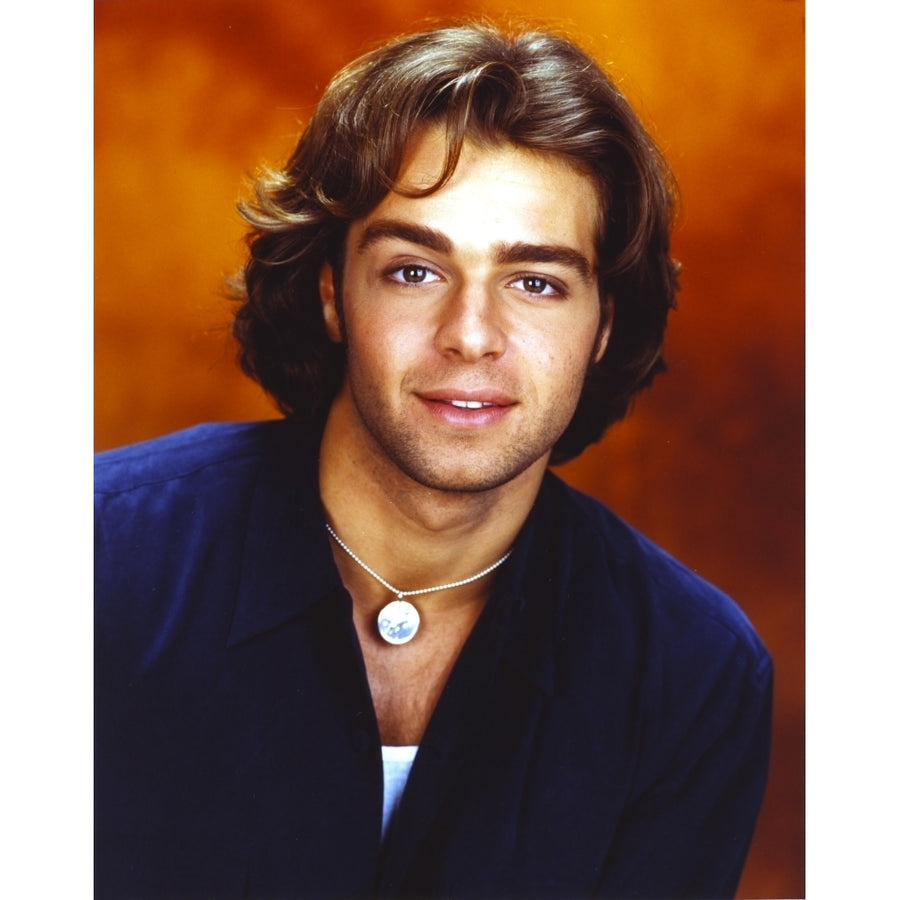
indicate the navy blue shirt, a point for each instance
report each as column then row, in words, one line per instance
column 604, row 732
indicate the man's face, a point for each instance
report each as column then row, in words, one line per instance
column 470, row 316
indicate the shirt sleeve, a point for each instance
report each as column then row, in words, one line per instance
column 687, row 833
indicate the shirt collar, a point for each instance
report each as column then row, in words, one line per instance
column 288, row 564
column 534, row 592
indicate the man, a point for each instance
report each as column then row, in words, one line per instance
column 375, row 648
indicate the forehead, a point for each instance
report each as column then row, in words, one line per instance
column 497, row 192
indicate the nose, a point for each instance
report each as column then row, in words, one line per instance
column 471, row 326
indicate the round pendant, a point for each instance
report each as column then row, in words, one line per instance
column 398, row 622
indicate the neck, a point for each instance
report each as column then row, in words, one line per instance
column 414, row 536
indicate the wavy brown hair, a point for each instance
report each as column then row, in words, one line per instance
column 534, row 89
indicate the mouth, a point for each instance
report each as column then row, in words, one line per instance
column 468, row 409
column 468, row 399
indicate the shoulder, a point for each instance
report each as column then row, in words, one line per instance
column 179, row 455
column 170, row 526
column 669, row 652
column 160, row 503
column 649, row 592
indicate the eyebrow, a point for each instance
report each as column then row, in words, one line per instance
column 545, row 253
column 518, row 252
column 384, row 229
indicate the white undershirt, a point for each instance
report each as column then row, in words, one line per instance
column 396, row 761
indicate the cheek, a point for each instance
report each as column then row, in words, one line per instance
column 382, row 342
column 565, row 353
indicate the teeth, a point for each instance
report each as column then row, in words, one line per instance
column 469, row 404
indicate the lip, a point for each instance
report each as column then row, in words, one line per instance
column 487, row 396
column 467, row 408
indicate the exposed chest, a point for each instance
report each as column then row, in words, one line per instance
column 406, row 682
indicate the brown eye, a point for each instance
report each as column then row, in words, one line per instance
column 414, row 274
column 534, row 285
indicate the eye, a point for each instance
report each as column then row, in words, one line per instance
column 537, row 285
column 413, row 274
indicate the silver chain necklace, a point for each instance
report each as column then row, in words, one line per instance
column 398, row 621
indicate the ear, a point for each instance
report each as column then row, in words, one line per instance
column 328, row 298
column 607, row 310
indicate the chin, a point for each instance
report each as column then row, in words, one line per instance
column 473, row 476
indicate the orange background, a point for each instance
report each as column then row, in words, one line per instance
column 191, row 96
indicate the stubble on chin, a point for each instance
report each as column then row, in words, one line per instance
column 461, row 464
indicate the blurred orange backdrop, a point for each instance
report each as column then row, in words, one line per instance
column 191, row 96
